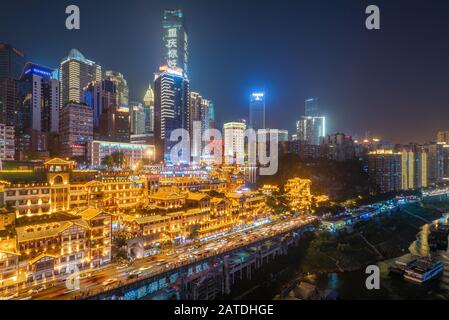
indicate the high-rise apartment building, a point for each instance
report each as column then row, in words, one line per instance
column 435, row 161
column 414, row 167
column 121, row 86
column 137, row 115
column 76, row 72
column 443, row 137
column 75, row 130
column 234, row 142
column 7, row 149
column 385, row 170
column 115, row 125
column 339, row 147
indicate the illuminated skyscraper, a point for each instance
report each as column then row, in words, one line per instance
column 414, row 167
column 234, row 142
column 257, row 111
column 435, row 161
column 39, row 96
column 37, row 106
column 199, row 112
column 137, row 118
column 111, row 121
column 171, row 108
column 312, row 107
column 12, row 62
column 76, row 72
column 101, row 96
column 385, row 170
column 148, row 107
column 212, row 123
column 121, row 85
column 311, row 127
column 175, row 41
column 75, row 130
column 311, row 130
column 443, row 137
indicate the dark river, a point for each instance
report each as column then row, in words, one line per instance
column 351, row 285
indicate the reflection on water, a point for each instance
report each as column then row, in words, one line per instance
column 351, row 285
column 421, row 246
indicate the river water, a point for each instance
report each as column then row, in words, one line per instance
column 351, row 285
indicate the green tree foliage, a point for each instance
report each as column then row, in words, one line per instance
column 340, row 180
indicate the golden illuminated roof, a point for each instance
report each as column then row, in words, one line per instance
column 193, row 212
column 234, row 195
column 383, row 151
column 216, row 200
column 163, row 195
column 149, row 219
column 88, row 213
column 41, row 231
column 94, row 183
column 59, row 161
column 41, row 256
column 197, row 196
column 9, row 246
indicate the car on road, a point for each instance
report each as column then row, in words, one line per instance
column 70, row 291
column 9, row 297
column 109, row 282
column 161, row 263
column 122, row 266
column 85, row 275
column 37, row 290
column 134, row 274
column 145, row 268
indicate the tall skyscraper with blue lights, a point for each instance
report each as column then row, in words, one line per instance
column 176, row 41
column 38, row 94
column 311, row 128
column 257, row 111
column 312, row 107
column 171, row 108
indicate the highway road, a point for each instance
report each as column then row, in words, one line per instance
column 92, row 282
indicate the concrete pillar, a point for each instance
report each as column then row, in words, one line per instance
column 227, row 284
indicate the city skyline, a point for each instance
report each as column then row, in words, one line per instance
column 352, row 101
column 224, row 151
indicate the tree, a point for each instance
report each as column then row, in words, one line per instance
column 114, row 160
column 118, row 158
column 108, row 162
column 194, row 231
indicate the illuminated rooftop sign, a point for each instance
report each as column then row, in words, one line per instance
column 258, row 96
column 39, row 71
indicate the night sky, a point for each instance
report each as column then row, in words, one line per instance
column 393, row 83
